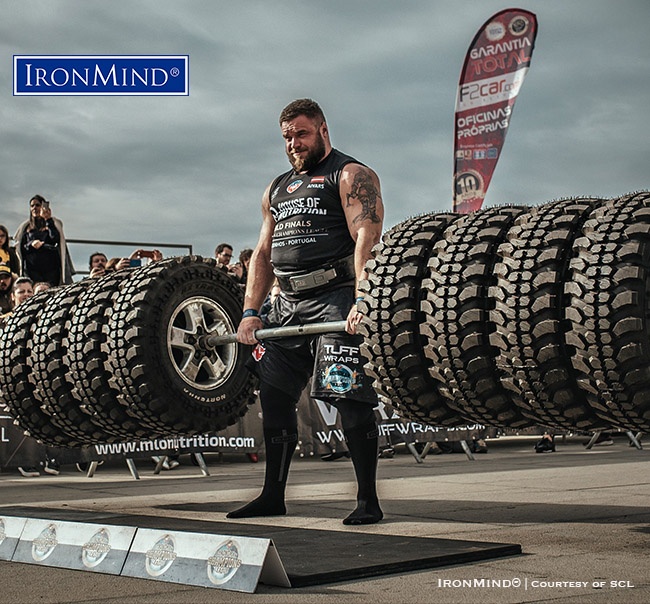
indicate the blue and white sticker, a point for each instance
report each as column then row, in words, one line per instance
column 339, row 378
column 161, row 556
column 44, row 544
column 224, row 563
column 96, row 549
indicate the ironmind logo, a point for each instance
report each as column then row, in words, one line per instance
column 101, row 75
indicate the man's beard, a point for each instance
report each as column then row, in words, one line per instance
column 311, row 160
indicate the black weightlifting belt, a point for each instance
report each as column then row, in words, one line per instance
column 339, row 271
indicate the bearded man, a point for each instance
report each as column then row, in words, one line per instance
column 320, row 221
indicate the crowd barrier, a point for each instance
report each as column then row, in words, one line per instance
column 319, row 433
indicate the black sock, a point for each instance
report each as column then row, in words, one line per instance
column 279, row 445
column 362, row 443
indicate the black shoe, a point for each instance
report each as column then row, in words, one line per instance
column 479, row 446
column 334, row 455
column 83, row 466
column 545, row 445
column 171, row 464
column 52, row 467
column 434, row 449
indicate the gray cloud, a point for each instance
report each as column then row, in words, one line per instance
column 192, row 169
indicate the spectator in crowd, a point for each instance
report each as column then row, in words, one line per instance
column 41, row 286
column 116, row 264
column 239, row 271
column 245, row 257
column 145, row 256
column 21, row 289
column 546, row 444
column 8, row 253
column 41, row 247
column 267, row 305
column 97, row 264
column 223, row 254
column 6, row 284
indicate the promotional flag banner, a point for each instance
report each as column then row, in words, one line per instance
column 496, row 64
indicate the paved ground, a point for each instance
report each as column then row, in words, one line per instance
column 582, row 519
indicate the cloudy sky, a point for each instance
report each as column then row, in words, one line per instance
column 191, row 170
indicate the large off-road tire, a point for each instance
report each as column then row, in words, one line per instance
column 166, row 375
column 457, row 325
column 609, row 311
column 16, row 387
column 50, row 375
column 87, row 359
column 529, row 315
column 392, row 344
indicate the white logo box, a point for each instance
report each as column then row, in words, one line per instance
column 74, row 545
column 228, row 562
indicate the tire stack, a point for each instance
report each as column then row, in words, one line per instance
column 509, row 317
column 514, row 317
column 394, row 345
column 122, row 357
column 457, row 322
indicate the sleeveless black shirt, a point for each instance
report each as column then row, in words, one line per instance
column 310, row 225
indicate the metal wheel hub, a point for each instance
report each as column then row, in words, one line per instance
column 201, row 366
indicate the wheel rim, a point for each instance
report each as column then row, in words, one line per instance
column 200, row 366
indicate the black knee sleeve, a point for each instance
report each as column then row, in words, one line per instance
column 278, row 409
column 354, row 413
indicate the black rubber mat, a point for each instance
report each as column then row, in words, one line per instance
column 310, row 556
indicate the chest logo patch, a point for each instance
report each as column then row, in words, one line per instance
column 294, row 186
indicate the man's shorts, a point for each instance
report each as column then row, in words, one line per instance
column 333, row 360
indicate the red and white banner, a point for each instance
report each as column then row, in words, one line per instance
column 496, row 64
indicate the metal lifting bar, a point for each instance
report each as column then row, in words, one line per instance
column 214, row 340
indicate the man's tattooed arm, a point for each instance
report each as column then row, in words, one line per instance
column 367, row 193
